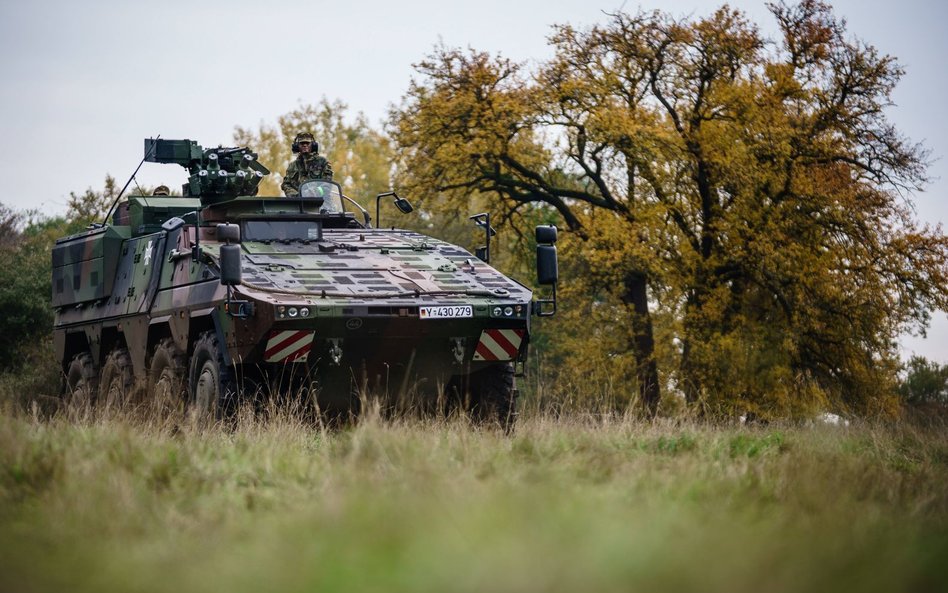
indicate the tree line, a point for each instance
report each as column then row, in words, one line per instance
column 740, row 237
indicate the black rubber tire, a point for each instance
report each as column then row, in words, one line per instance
column 493, row 397
column 212, row 390
column 117, row 382
column 167, row 378
column 82, row 380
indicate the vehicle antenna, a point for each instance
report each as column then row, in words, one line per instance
column 121, row 193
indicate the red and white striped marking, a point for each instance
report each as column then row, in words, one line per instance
column 499, row 344
column 289, row 346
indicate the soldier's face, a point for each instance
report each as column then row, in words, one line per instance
column 306, row 146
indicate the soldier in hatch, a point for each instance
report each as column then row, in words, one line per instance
column 308, row 165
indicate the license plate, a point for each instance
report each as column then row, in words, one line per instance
column 452, row 312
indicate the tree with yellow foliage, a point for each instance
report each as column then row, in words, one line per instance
column 748, row 190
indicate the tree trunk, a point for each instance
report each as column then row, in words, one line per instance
column 690, row 382
column 643, row 341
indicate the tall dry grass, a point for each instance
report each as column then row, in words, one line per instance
column 94, row 500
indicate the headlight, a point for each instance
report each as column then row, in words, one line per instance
column 304, row 311
column 506, row 311
column 292, row 311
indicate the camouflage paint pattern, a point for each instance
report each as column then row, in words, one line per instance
column 303, row 167
column 350, row 296
column 361, row 287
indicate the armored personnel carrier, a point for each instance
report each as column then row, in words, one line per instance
column 201, row 299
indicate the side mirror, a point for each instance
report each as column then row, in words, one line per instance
column 546, row 234
column 547, row 268
column 230, row 265
column 403, row 205
column 230, row 254
column 228, row 233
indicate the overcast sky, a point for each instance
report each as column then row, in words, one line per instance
column 84, row 82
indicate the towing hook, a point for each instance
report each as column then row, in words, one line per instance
column 335, row 351
column 458, row 349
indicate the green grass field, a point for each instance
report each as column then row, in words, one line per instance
column 560, row 505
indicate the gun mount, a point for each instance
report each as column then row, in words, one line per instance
column 217, row 174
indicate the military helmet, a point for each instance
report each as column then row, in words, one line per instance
column 161, row 190
column 305, row 137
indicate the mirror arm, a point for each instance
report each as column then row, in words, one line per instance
column 540, row 303
column 196, row 248
column 483, row 220
column 378, row 200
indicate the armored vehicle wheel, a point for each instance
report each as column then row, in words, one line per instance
column 81, row 380
column 211, row 387
column 117, row 382
column 493, row 397
column 167, row 378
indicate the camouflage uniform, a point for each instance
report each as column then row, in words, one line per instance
column 305, row 167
